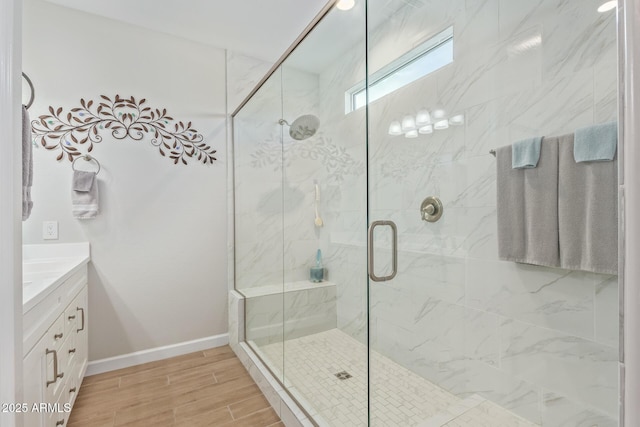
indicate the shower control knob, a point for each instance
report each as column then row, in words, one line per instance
column 431, row 209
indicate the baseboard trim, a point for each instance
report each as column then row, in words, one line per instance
column 153, row 354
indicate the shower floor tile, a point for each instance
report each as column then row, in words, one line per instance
column 399, row 396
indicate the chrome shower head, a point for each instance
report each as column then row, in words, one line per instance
column 303, row 127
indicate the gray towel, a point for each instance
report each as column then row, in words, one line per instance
column 526, row 153
column 528, row 208
column 596, row 143
column 84, row 195
column 82, row 181
column 587, row 212
column 27, row 165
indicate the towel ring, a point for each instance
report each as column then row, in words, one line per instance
column 88, row 158
column 33, row 91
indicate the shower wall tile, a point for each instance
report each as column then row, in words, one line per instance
column 559, row 411
column 558, row 299
column 485, row 127
column 236, row 319
column 607, row 304
column 576, row 39
column 480, row 187
column 490, row 73
column 606, row 89
column 353, row 321
column 482, row 240
column 550, row 358
column 482, row 336
column 433, row 360
column 514, row 14
column 391, row 303
column 423, row 275
column 243, row 74
column 299, row 256
column 509, row 391
column 559, row 106
column 292, row 314
column 281, row 208
column 310, row 319
column 480, row 26
column 299, row 93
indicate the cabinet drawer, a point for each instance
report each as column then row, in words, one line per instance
column 72, row 389
column 54, row 391
column 70, row 319
column 55, row 335
column 56, row 415
column 55, row 385
column 71, row 353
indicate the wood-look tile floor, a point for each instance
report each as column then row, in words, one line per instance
column 207, row 388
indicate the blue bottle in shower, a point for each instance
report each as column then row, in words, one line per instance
column 316, row 273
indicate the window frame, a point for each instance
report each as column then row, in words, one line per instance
column 399, row 64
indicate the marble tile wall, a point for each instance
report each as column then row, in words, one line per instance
column 305, row 312
column 276, row 240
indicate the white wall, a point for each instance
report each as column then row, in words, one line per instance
column 158, row 271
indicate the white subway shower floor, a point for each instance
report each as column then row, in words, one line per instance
column 327, row 373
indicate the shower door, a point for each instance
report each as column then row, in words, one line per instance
column 458, row 337
column 300, row 189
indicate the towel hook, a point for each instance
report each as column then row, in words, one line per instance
column 88, row 158
column 33, row 90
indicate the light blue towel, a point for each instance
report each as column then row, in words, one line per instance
column 596, row 143
column 526, row 153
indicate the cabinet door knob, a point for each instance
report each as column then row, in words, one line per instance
column 60, row 422
column 73, row 316
column 58, row 336
column 72, row 350
column 73, row 390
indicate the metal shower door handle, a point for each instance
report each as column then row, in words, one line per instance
column 394, row 251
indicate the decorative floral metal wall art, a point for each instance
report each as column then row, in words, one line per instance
column 123, row 118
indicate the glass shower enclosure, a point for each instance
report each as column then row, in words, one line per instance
column 368, row 154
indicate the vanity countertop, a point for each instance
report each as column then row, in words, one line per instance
column 45, row 267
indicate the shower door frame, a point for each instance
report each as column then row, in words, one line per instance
column 628, row 29
column 629, row 230
column 10, row 208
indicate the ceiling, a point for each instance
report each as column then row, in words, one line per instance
column 259, row 28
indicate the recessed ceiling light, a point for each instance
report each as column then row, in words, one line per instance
column 345, row 4
column 607, row 6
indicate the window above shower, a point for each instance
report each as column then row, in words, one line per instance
column 424, row 59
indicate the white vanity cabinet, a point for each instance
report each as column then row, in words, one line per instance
column 56, row 350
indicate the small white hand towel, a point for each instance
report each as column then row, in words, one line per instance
column 84, row 195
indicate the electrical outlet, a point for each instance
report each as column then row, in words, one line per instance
column 50, row 230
